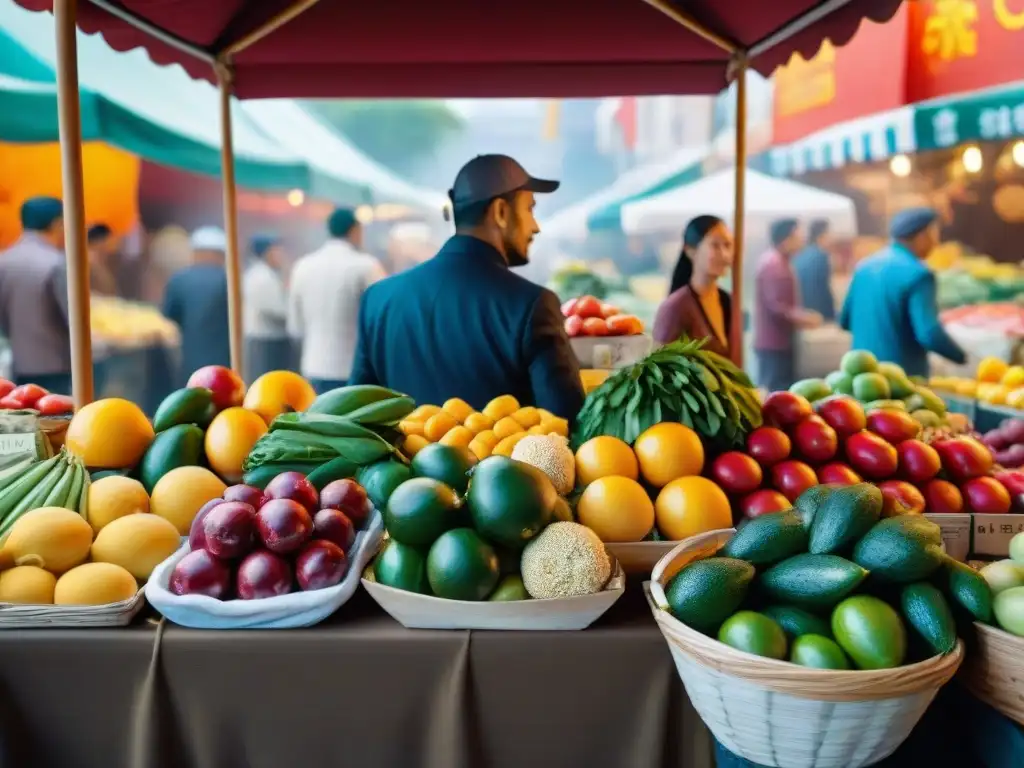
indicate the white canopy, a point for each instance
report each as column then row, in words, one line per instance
column 767, row 198
column 570, row 223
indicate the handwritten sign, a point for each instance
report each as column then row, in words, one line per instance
column 18, row 445
column 992, row 534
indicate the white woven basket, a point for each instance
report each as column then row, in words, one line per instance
column 15, row 616
column 783, row 715
column 995, row 671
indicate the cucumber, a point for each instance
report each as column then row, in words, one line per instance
column 12, row 495
column 927, row 611
column 335, row 469
column 36, row 498
column 767, row 539
column 812, row 581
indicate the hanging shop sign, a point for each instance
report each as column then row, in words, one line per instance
column 957, row 46
column 993, row 115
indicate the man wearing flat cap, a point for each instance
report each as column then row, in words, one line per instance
column 34, row 298
column 890, row 308
column 463, row 324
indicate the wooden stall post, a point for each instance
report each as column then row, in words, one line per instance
column 69, row 120
column 233, row 257
column 739, row 201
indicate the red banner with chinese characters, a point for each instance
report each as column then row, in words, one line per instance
column 963, row 45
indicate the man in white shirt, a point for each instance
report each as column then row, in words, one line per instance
column 323, row 301
column 265, row 309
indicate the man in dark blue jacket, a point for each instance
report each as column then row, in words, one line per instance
column 462, row 324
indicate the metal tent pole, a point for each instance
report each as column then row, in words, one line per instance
column 233, row 262
column 272, row 25
column 69, row 119
column 739, row 209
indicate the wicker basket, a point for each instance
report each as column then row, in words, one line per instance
column 13, row 616
column 779, row 714
column 994, row 673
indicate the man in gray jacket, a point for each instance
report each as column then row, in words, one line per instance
column 34, row 298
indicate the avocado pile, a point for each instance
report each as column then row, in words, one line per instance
column 831, row 584
column 494, row 530
column 878, row 386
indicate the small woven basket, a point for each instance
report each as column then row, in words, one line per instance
column 994, row 673
column 783, row 715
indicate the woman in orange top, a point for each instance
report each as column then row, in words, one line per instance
column 696, row 306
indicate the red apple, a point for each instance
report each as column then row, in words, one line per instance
column 334, row 525
column 227, row 386
column 837, row 473
column 254, row 497
column 785, row 409
column 200, row 573
column 872, row 456
column 348, row 496
column 903, row 493
column 844, row 414
column 294, row 486
column 737, row 473
column 986, row 496
column 768, row 445
column 793, row 478
column 964, row 458
column 919, row 462
column 815, row 440
column 894, row 426
column 942, row 497
column 230, row 529
column 284, row 526
column 763, row 502
column 320, row 564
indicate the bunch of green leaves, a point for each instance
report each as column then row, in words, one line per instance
column 679, row 382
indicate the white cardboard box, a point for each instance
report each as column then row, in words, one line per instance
column 992, row 534
column 956, row 534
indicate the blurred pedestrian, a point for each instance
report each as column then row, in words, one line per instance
column 34, row 298
column 698, row 308
column 265, row 309
column 813, row 268
column 891, row 308
column 777, row 311
column 196, row 298
column 326, row 289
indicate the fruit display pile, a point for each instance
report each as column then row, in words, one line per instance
column 680, row 382
column 60, row 481
column 118, row 323
column 995, row 383
column 250, row 544
column 494, row 430
column 832, row 584
column 588, row 316
column 35, row 398
column 834, row 441
column 1006, row 578
column 495, row 530
column 1007, row 443
column 878, row 386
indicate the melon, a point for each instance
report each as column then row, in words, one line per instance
column 27, row 584
column 95, row 584
column 181, row 493
column 53, row 538
column 138, row 543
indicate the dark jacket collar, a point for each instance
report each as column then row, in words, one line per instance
column 467, row 246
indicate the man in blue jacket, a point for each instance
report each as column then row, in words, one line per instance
column 462, row 324
column 890, row 308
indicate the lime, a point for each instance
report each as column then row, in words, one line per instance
column 754, row 633
column 818, row 652
column 870, row 631
column 510, row 588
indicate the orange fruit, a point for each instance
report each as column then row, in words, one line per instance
column 181, row 493
column 229, row 438
column 604, row 456
column 691, row 505
column 668, row 451
column 279, row 392
column 991, row 370
column 109, row 434
column 616, row 509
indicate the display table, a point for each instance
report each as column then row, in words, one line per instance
column 359, row 690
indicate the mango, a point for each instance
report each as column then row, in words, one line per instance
column 478, row 422
column 437, row 426
column 53, row 538
column 500, row 407
column 457, row 437
column 95, row 584
column 458, row 409
column 28, row 585
column 137, row 543
column 507, row 427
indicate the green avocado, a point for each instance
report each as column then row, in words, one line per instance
column 178, row 446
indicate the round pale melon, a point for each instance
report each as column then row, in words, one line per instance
column 53, row 538
column 138, row 543
column 95, row 584
column 27, row 584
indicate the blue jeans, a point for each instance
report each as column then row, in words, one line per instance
column 325, row 385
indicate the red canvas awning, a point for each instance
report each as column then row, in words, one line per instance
column 472, row 48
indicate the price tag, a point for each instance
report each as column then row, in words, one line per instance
column 956, row 534
column 19, row 445
column 991, row 534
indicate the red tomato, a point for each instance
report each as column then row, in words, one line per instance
column 609, row 310
column 28, row 394
column 6, row 387
column 574, row 326
column 55, row 405
column 624, row 325
column 588, row 306
column 11, row 403
column 595, row 326
column 569, row 307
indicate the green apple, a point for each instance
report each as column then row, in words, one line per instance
column 1017, row 548
column 1003, row 575
column 1009, row 610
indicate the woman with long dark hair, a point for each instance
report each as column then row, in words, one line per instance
column 696, row 307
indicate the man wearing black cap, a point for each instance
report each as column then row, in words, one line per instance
column 463, row 325
column 34, row 298
column 890, row 308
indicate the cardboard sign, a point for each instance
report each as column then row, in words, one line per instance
column 992, row 534
column 956, row 534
